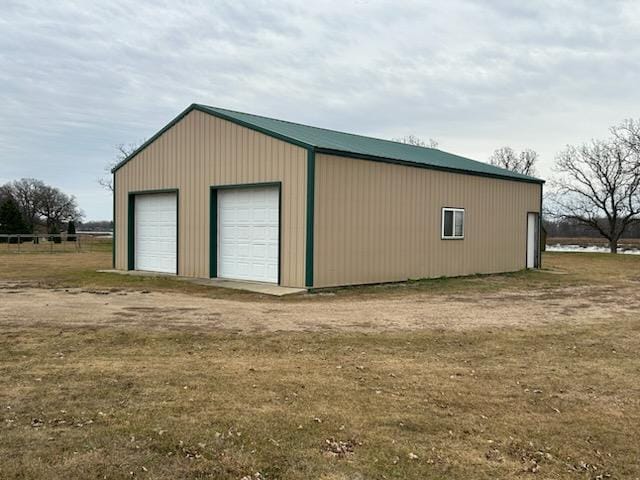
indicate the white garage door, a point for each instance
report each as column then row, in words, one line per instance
column 156, row 232
column 248, row 231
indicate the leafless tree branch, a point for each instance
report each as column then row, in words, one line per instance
column 598, row 183
column 122, row 152
column 523, row 162
column 418, row 142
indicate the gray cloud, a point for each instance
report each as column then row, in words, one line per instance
column 78, row 78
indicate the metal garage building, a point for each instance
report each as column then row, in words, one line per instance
column 219, row 193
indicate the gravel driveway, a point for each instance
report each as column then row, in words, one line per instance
column 23, row 304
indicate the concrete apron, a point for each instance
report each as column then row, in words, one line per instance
column 257, row 287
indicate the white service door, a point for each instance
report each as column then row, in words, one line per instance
column 532, row 240
column 248, row 233
column 156, row 232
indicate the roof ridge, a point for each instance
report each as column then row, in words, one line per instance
column 342, row 143
column 309, row 136
column 326, row 129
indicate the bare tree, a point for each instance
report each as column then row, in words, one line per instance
column 122, row 152
column 598, row 184
column 41, row 203
column 523, row 162
column 418, row 142
column 56, row 208
column 628, row 133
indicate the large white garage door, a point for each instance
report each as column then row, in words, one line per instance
column 156, row 232
column 248, row 231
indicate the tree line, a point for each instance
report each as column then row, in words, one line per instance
column 595, row 188
column 30, row 206
column 572, row 229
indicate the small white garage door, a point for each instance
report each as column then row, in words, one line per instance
column 156, row 232
column 248, row 233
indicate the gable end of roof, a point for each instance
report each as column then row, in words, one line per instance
column 349, row 145
column 204, row 109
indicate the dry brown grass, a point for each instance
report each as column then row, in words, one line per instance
column 80, row 270
column 486, row 405
column 118, row 402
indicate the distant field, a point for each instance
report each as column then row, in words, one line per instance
column 522, row 375
column 629, row 242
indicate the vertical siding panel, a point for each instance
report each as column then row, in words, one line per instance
column 320, row 209
column 367, row 224
column 194, row 188
column 199, row 151
column 241, row 152
column 199, row 200
column 217, row 139
column 187, row 193
column 425, row 213
column 298, row 193
column 294, row 187
column 164, row 167
column 334, row 245
column 287, row 179
column 390, row 237
column 201, row 142
column 283, row 160
column 414, row 185
column 224, row 141
column 289, row 208
column 185, row 213
column 393, row 219
column 233, row 165
column 362, row 224
column 188, row 188
column 388, row 191
column 423, row 216
column 321, row 244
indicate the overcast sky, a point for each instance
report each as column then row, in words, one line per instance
column 77, row 78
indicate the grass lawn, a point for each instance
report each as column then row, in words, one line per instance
column 69, row 269
column 517, row 402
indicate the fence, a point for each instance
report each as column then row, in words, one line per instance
column 56, row 243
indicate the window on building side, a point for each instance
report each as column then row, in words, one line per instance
column 452, row 223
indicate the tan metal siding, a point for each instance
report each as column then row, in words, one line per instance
column 379, row 222
column 200, row 151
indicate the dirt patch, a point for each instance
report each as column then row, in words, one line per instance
column 28, row 305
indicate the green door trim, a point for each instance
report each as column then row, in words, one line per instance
column 131, row 224
column 213, row 222
column 113, row 217
column 311, row 184
column 540, row 230
column 131, row 237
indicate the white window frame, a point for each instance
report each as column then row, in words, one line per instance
column 453, row 236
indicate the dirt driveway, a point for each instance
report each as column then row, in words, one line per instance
column 23, row 304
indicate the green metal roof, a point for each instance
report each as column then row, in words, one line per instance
column 348, row 144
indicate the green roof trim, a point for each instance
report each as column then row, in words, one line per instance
column 323, row 140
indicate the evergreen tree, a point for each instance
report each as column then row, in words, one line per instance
column 11, row 221
column 54, row 234
column 71, row 231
